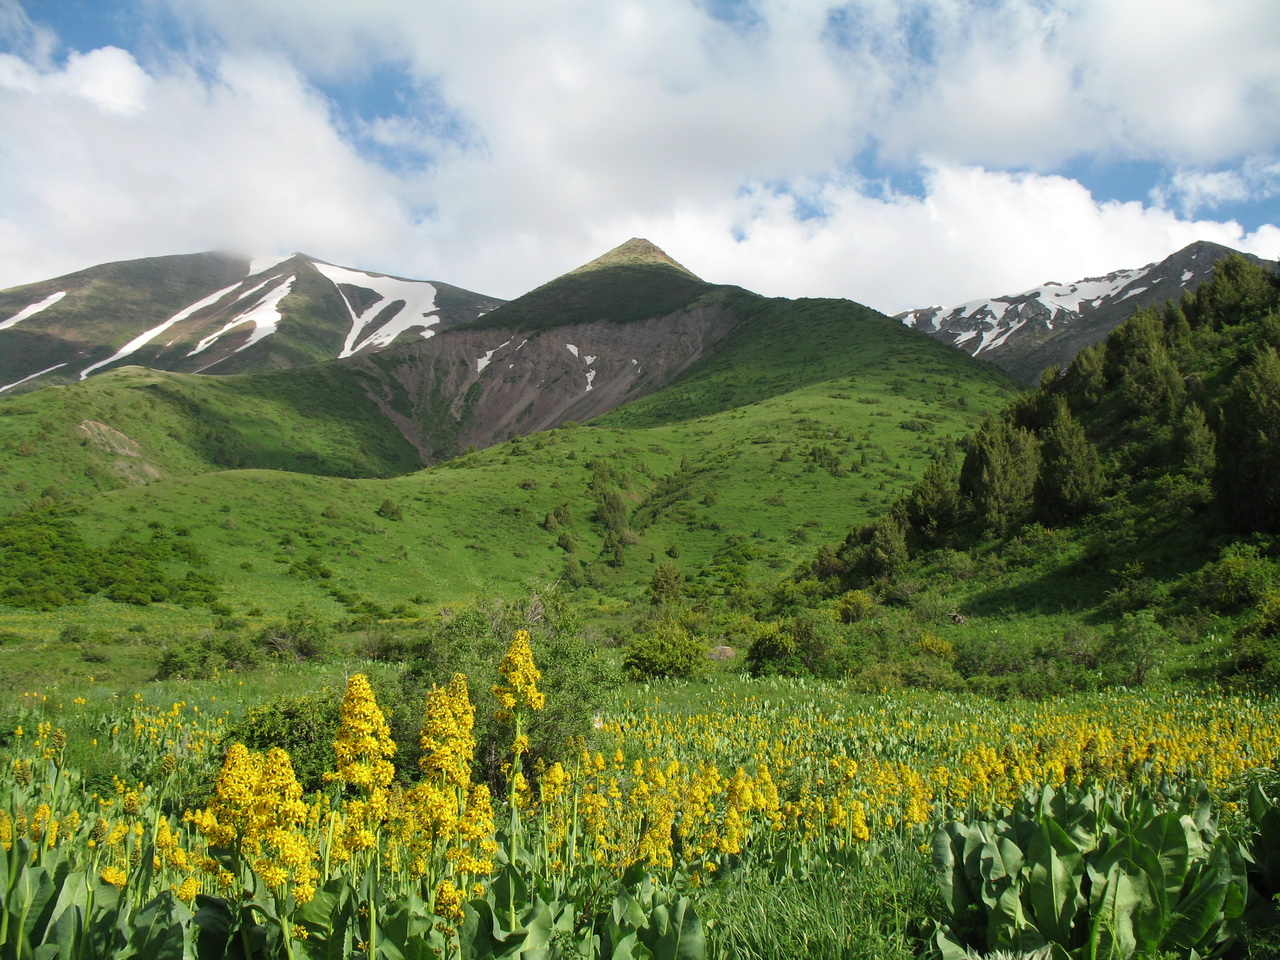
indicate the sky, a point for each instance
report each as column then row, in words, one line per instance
column 901, row 153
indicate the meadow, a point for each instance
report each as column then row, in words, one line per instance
column 727, row 817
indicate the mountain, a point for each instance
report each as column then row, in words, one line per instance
column 594, row 339
column 217, row 313
column 1024, row 333
column 715, row 424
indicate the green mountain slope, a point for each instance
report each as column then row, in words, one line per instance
column 1118, row 524
column 809, row 417
column 633, row 281
column 135, row 426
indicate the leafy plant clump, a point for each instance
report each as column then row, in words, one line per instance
column 1091, row 872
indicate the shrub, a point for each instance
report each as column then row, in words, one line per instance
column 301, row 636
column 854, row 606
column 667, row 650
column 303, row 726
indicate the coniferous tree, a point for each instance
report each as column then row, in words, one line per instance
column 1197, row 443
column 1239, row 292
column 667, row 585
column 1070, row 479
column 999, row 472
column 933, row 507
column 1083, row 380
column 1247, row 483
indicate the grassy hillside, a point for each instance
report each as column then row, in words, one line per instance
column 710, row 476
column 134, row 426
column 633, row 281
column 1117, row 525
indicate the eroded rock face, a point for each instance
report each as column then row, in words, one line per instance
column 126, row 461
column 480, row 387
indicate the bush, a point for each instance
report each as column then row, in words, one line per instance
column 204, row 656
column 301, row 636
column 804, row 645
column 854, row 606
column 575, row 677
column 665, row 651
column 303, row 726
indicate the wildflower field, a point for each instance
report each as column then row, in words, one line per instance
column 730, row 818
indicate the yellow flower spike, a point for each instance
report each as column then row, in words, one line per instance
column 447, row 738
column 521, row 676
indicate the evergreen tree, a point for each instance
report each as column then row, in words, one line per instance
column 1070, row 479
column 999, row 472
column 1083, row 380
column 1197, row 443
column 1247, row 483
column 887, row 552
column 933, row 507
column 667, row 585
column 1239, row 292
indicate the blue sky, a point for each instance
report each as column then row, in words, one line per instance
column 896, row 152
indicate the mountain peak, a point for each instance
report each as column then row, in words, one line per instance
column 635, row 252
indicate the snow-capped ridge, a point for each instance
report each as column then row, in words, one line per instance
column 1047, row 324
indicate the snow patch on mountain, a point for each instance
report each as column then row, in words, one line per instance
column 261, row 264
column 18, row 383
column 992, row 321
column 264, row 315
column 35, row 308
column 144, row 338
column 418, row 299
column 572, row 349
column 488, row 357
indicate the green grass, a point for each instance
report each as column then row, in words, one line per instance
column 722, row 460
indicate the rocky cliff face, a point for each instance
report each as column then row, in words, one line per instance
column 484, row 386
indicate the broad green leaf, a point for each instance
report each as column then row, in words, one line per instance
column 1170, row 838
column 1111, row 934
column 1202, row 908
column 1053, row 887
column 682, row 937
column 949, row 871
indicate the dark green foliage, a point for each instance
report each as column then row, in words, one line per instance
column 1247, row 483
column 667, row 585
column 999, row 473
column 666, row 649
column 45, row 563
column 1239, row 293
column 617, row 293
column 808, row 644
column 611, row 511
column 1140, row 368
column 207, row 655
column 934, row 507
column 391, row 510
column 302, row 636
column 1136, row 650
column 877, row 551
column 1070, row 479
column 303, row 726
column 1197, row 444
column 1095, row 872
column 1134, row 462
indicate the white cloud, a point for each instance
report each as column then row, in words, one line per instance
column 1191, row 191
column 974, row 233
column 545, row 133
